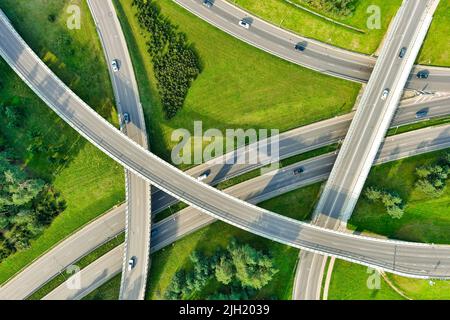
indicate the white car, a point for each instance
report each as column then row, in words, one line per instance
column 115, row 65
column 244, row 24
column 385, row 94
column 131, row 263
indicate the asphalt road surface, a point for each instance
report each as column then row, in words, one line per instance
column 111, row 224
column 255, row 190
column 366, row 133
column 317, row 55
column 301, row 140
column 138, row 215
column 403, row 258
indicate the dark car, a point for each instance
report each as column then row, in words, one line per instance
column 402, row 52
column 423, row 74
column 204, row 175
column 126, row 117
column 207, row 3
column 301, row 46
column 131, row 263
column 422, row 113
column 298, row 171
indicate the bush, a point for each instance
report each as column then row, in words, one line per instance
column 51, row 17
column 392, row 202
column 432, row 179
column 253, row 268
column 26, row 206
column 395, row 212
column 373, row 194
column 241, row 266
column 224, row 270
column 342, row 8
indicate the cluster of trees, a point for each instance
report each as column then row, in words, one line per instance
column 176, row 64
column 56, row 154
column 341, row 8
column 240, row 268
column 432, row 179
column 27, row 205
column 393, row 203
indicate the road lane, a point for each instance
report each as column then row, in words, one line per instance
column 317, row 56
column 81, row 117
column 138, row 214
column 367, row 130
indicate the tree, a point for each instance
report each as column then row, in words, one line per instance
column 427, row 187
column 13, row 116
column 176, row 286
column 373, row 193
column 423, row 172
column 224, row 270
column 395, row 212
column 253, row 268
column 49, row 205
column 390, row 200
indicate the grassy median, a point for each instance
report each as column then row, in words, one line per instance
column 425, row 219
column 436, row 48
column 349, row 282
column 89, row 181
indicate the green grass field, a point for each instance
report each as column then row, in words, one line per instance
column 349, row 282
column 108, row 291
column 289, row 17
column 90, row 182
column 425, row 219
column 436, row 49
column 422, row 289
column 240, row 86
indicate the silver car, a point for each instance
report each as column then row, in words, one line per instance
column 115, row 65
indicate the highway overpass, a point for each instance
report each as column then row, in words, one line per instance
column 398, row 257
column 255, row 190
column 292, row 143
column 374, row 114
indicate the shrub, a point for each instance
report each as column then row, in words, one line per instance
column 342, row 8
column 433, row 179
column 392, row 202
